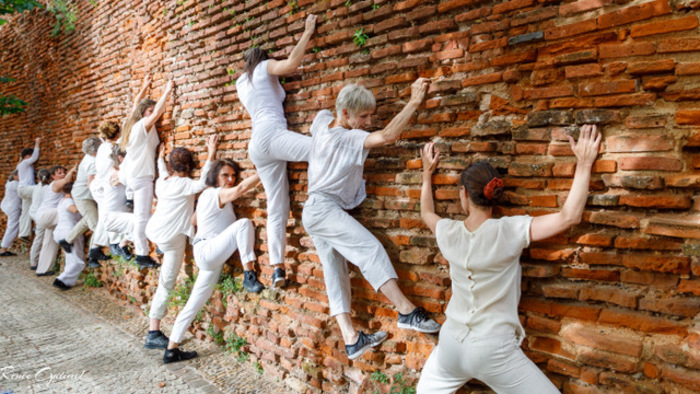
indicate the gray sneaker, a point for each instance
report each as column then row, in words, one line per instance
column 250, row 282
column 418, row 320
column 363, row 343
column 156, row 340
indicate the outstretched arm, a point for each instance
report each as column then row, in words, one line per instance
column 586, row 151
column 201, row 183
column 393, row 130
column 142, row 92
column 430, row 157
column 290, row 64
column 35, row 153
column 58, row 185
column 226, row 195
column 159, row 108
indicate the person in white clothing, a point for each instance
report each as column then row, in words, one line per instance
column 271, row 145
column 218, row 236
column 46, row 217
column 87, row 207
column 25, row 168
column 67, row 217
column 336, row 162
column 117, row 217
column 109, row 132
column 140, row 140
column 37, row 197
column 12, row 207
column 482, row 334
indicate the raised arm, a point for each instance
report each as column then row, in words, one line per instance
column 586, row 151
column 142, row 92
column 290, row 64
column 58, row 185
column 159, row 108
column 35, row 153
column 227, row 195
column 393, row 130
column 430, row 157
column 201, row 183
column 162, row 168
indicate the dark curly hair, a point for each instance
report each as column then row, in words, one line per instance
column 483, row 184
column 181, row 160
column 27, row 152
column 68, row 187
column 216, row 167
column 56, row 168
column 109, row 130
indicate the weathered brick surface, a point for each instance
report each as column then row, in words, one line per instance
column 608, row 303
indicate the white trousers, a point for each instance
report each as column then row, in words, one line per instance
column 36, row 246
column 88, row 209
column 102, row 211
column 13, row 220
column 25, row 221
column 173, row 254
column 119, row 223
column 143, row 202
column 337, row 237
column 497, row 361
column 210, row 256
column 270, row 149
column 49, row 248
column 75, row 260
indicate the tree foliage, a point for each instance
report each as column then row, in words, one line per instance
column 10, row 104
column 9, row 7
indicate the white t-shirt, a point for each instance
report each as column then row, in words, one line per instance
column 140, row 159
column 263, row 97
column 25, row 169
column 50, row 200
column 11, row 201
column 37, row 198
column 212, row 220
column 80, row 187
column 65, row 219
column 336, row 162
column 114, row 193
column 103, row 162
column 486, row 275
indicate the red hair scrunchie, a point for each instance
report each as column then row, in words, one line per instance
column 488, row 189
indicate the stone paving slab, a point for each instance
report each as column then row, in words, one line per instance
column 86, row 341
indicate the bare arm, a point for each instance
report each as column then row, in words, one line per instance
column 227, row 195
column 159, row 108
column 72, row 209
column 290, row 64
column 393, row 130
column 586, row 151
column 90, row 179
column 58, row 185
column 139, row 96
column 430, row 158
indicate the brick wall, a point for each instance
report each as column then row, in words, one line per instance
column 610, row 303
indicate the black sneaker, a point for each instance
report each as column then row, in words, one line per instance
column 278, row 278
column 158, row 251
column 58, row 283
column 92, row 263
column 250, row 282
column 175, row 355
column 7, row 254
column 47, row 273
column 32, row 267
column 418, row 320
column 363, row 343
column 130, row 205
column 25, row 239
column 97, row 254
column 65, row 245
column 126, row 253
column 146, row 262
column 156, row 340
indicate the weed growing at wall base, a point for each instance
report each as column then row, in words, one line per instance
column 234, row 344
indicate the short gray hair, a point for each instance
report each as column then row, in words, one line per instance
column 354, row 98
column 90, row 145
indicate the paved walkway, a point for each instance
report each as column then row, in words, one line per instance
column 85, row 341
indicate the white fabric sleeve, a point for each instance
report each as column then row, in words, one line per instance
column 200, row 184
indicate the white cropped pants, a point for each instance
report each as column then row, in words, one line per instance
column 270, row 148
column 49, row 248
column 13, row 224
column 210, row 256
column 337, row 237
column 75, row 260
column 25, row 221
column 497, row 361
column 143, row 202
column 173, row 254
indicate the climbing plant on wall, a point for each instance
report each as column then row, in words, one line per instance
column 66, row 16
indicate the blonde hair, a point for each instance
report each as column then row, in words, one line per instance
column 135, row 117
column 354, row 98
column 108, row 130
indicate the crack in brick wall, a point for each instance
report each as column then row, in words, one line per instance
column 610, row 303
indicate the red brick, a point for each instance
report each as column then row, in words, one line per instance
column 582, row 273
column 689, row 286
column 580, row 6
column 482, row 79
column 688, row 68
column 595, row 89
column 626, row 50
column 681, row 306
column 685, row 377
column 688, row 117
column 641, row 322
column 656, row 66
column 634, row 14
column 603, row 338
column 511, row 5
column 573, row 29
column 541, row 93
column 655, row 163
column 672, row 45
column 666, row 264
column 666, row 26
column 636, row 143
column 666, row 202
column 584, row 70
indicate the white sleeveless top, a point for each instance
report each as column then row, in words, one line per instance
column 263, row 97
column 212, row 220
